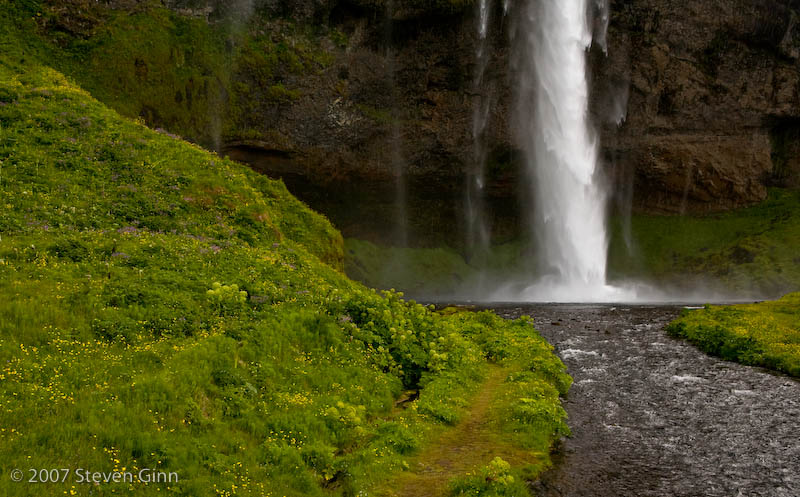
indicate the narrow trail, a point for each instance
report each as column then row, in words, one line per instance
column 471, row 443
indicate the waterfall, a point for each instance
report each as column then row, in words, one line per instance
column 397, row 162
column 566, row 195
column 477, row 230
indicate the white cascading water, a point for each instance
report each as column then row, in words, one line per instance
column 561, row 154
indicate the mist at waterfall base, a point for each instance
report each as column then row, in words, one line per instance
column 512, row 284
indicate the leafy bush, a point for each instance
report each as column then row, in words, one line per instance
column 496, row 479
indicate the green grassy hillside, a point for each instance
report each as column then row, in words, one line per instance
column 164, row 308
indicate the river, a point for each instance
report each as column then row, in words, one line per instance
column 653, row 416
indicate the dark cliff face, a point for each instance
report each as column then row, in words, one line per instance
column 697, row 103
column 713, row 100
column 394, row 108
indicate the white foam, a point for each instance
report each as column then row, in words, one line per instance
column 687, row 379
column 570, row 353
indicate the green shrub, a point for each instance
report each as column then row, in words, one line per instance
column 496, row 479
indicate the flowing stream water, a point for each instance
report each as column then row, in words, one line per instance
column 654, row 416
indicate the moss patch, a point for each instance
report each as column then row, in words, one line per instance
column 748, row 251
column 438, row 271
column 432, row 272
column 197, row 79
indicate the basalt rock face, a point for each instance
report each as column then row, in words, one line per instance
column 697, row 104
column 712, row 102
column 384, row 133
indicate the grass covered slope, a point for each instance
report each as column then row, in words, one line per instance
column 749, row 251
column 163, row 308
column 765, row 334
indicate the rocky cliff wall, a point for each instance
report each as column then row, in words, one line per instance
column 713, row 100
column 697, row 103
column 397, row 100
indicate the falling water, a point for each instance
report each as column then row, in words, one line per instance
column 478, row 234
column 236, row 14
column 601, row 19
column 561, row 152
column 400, row 238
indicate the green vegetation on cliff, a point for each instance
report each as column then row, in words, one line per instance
column 765, row 334
column 197, row 79
column 164, row 308
column 749, row 251
column 436, row 271
column 431, row 272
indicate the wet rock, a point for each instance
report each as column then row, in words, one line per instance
column 704, row 81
